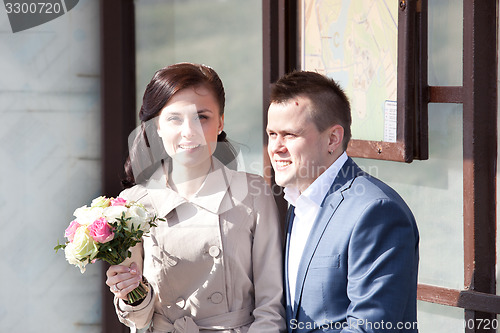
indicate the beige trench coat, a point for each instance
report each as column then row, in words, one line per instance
column 215, row 264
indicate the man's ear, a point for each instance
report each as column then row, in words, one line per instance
column 336, row 136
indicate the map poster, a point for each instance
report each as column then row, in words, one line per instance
column 355, row 42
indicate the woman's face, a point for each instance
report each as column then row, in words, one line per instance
column 189, row 124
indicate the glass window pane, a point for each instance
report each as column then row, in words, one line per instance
column 224, row 34
column 445, row 42
column 433, row 190
column 438, row 318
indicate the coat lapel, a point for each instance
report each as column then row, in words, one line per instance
column 317, row 231
column 163, row 199
column 332, row 200
column 210, row 196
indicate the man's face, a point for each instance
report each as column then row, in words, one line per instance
column 298, row 151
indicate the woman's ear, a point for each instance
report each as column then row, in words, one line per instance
column 221, row 124
column 336, row 136
column 157, row 124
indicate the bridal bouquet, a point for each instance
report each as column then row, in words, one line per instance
column 106, row 231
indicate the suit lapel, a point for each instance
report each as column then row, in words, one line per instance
column 317, row 231
column 332, row 200
column 289, row 222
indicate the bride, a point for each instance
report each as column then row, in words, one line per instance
column 215, row 263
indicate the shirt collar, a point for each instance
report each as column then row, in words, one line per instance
column 317, row 191
column 209, row 196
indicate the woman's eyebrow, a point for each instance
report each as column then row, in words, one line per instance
column 205, row 111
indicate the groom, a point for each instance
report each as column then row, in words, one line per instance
column 352, row 243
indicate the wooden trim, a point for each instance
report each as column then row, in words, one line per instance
column 445, row 94
column 480, row 144
column 406, row 84
column 438, row 295
column 272, row 64
column 421, row 135
column 270, row 68
column 278, row 40
column 118, row 113
column 378, row 150
column 480, row 152
column 478, row 301
column 466, row 299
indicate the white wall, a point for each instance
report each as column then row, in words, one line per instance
column 50, row 164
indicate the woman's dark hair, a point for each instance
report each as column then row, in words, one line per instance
column 146, row 151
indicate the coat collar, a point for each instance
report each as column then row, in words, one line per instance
column 345, row 176
column 332, row 200
column 209, row 196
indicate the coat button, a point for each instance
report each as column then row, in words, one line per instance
column 216, row 298
column 180, row 302
column 214, row 251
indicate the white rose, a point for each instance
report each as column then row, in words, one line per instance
column 85, row 246
column 138, row 218
column 112, row 213
column 70, row 254
column 100, row 202
column 87, row 215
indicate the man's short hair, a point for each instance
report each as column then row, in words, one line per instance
column 330, row 103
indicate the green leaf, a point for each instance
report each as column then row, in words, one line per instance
column 59, row 246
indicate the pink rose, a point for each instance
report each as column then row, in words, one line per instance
column 118, row 202
column 100, row 231
column 70, row 231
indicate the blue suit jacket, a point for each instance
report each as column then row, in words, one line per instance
column 358, row 272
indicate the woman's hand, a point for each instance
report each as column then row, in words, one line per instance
column 122, row 280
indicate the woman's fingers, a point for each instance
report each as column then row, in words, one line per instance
column 133, row 268
column 121, row 279
column 117, row 269
column 117, row 273
column 123, row 287
column 124, row 292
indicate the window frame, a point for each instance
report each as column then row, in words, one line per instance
column 478, row 94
